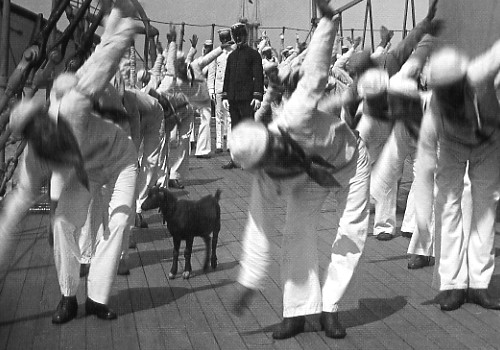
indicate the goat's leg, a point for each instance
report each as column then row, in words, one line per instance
column 175, row 258
column 215, row 239
column 187, row 258
column 207, row 240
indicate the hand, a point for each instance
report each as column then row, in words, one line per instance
column 432, row 10
column 325, row 9
column 255, row 104
column 194, row 41
column 225, row 104
column 172, row 35
column 159, row 48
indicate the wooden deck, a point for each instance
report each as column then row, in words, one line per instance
column 387, row 306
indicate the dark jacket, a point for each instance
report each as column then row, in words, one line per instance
column 244, row 76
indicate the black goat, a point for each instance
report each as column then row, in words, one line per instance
column 187, row 219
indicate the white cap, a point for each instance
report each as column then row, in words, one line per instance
column 403, row 86
column 373, row 82
column 446, row 66
column 248, row 143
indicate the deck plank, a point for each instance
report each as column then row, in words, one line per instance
column 386, row 306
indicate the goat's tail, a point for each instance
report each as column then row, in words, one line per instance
column 217, row 194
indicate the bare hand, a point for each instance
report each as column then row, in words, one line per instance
column 255, row 104
column 325, row 9
column 194, row 41
column 432, row 10
column 172, row 35
column 225, row 104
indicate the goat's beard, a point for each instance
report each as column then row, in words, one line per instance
column 56, row 143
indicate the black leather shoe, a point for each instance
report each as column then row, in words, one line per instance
column 242, row 300
column 290, row 327
column 139, row 221
column 482, row 298
column 204, row 156
column 102, row 311
column 67, row 309
column 175, row 184
column 229, row 165
column 84, row 269
column 451, row 299
column 419, row 261
column 330, row 323
column 384, row 236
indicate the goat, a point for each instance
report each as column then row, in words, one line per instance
column 187, row 219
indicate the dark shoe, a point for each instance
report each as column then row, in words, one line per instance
column 229, row 165
column 384, row 236
column 242, row 300
column 139, row 221
column 175, row 184
column 219, row 150
column 84, row 269
column 482, row 298
column 102, row 311
column 67, row 309
column 204, row 156
column 290, row 327
column 451, row 299
column 330, row 323
column 406, row 234
column 418, row 261
column 123, row 269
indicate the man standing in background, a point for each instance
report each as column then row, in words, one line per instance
column 243, row 81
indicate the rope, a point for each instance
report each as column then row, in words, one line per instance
column 222, row 25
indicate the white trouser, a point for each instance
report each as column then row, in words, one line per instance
column 203, row 144
column 387, row 172
column 32, row 173
column 421, row 244
column 375, row 133
column 71, row 215
column 148, row 166
column 465, row 258
column 178, row 157
column 302, row 292
column 162, row 168
column 222, row 124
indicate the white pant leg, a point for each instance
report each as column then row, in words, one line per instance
column 203, row 145
column 90, row 229
column 178, row 156
column 109, row 246
column 451, row 247
column 32, row 172
column 375, row 133
column 69, row 218
column 409, row 223
column 264, row 205
column 299, row 266
column 386, row 174
column 483, row 174
column 353, row 215
column 148, row 167
column 162, row 168
column 222, row 123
